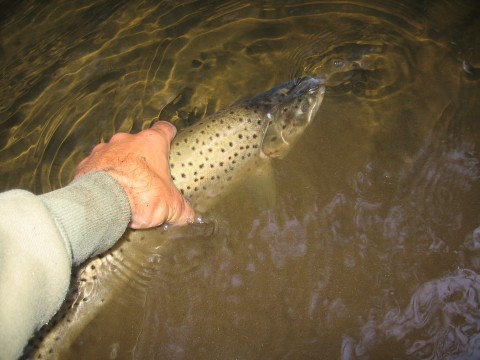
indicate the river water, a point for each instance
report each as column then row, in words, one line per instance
column 371, row 249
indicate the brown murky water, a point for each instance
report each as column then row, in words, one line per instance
column 372, row 249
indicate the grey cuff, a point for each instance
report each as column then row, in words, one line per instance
column 91, row 213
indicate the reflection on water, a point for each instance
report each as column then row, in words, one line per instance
column 373, row 246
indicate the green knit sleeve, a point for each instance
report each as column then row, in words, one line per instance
column 41, row 237
column 91, row 214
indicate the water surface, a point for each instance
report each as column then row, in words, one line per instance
column 372, row 248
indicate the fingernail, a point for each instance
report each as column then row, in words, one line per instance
column 173, row 127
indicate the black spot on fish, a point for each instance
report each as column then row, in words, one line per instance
column 240, row 136
column 230, row 144
column 173, row 178
column 182, row 191
column 190, row 163
column 184, row 176
column 221, row 163
column 179, row 153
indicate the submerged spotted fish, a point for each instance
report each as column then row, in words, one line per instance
column 207, row 160
column 212, row 156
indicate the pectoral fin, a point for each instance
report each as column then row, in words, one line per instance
column 261, row 187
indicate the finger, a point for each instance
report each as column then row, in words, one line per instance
column 183, row 215
column 189, row 214
column 119, row 137
column 79, row 171
column 98, row 147
column 166, row 129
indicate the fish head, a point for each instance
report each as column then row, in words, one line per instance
column 295, row 105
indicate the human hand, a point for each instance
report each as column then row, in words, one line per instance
column 140, row 164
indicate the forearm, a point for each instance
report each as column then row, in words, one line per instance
column 40, row 238
column 91, row 214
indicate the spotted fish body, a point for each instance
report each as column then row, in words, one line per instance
column 207, row 160
column 215, row 154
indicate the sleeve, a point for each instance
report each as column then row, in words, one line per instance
column 41, row 237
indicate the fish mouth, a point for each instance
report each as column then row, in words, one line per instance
column 308, row 85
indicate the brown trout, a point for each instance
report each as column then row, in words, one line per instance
column 212, row 156
column 207, row 160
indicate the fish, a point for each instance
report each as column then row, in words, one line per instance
column 214, row 155
column 207, row 160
